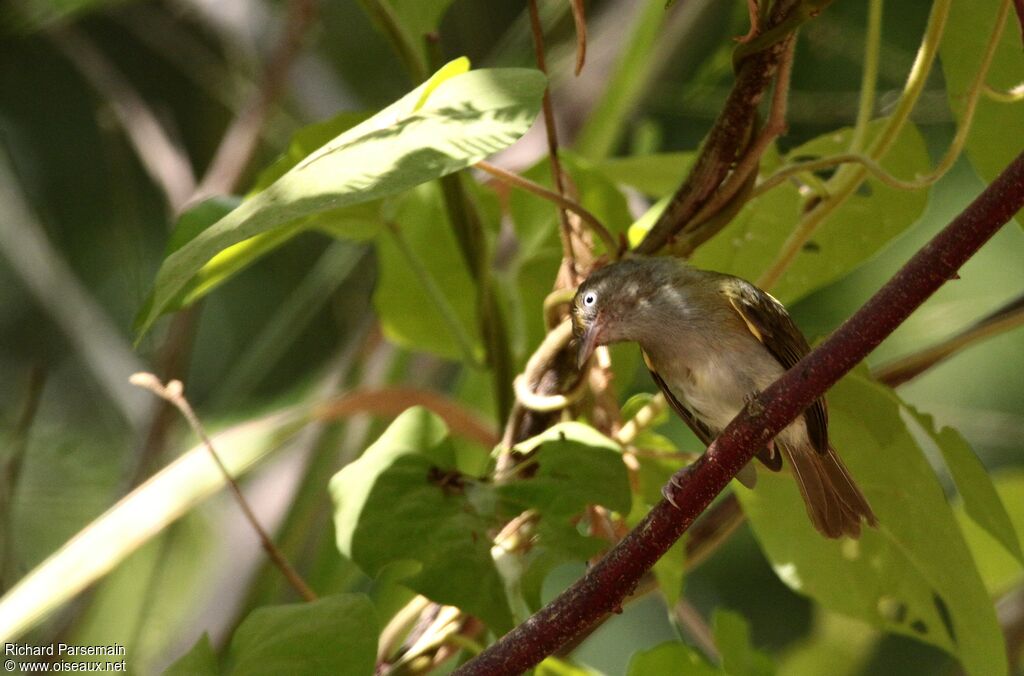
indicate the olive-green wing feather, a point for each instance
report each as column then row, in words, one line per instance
column 769, row 322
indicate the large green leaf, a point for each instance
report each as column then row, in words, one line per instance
column 861, row 226
column 998, row 127
column 438, row 128
column 403, row 510
column 573, row 465
column 999, row 569
column 570, row 466
column 914, row 574
column 670, row 659
column 408, row 313
column 739, row 657
column 333, row 635
column 980, row 499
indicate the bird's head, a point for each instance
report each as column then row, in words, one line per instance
column 612, row 304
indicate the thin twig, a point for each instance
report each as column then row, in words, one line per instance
column 173, row 393
column 692, row 489
column 1014, row 95
column 1006, row 318
column 559, row 199
column 539, row 361
column 727, row 137
column 869, row 79
column 690, row 620
column 565, row 230
column 390, row 401
column 10, row 468
column 747, row 167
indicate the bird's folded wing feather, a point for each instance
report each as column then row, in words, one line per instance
column 769, row 322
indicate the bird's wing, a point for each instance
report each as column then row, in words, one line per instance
column 769, row 322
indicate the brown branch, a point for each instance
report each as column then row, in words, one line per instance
column 718, row 211
column 727, row 138
column 692, row 489
column 579, row 18
column 907, row 368
column 565, row 230
column 559, row 199
column 393, row 400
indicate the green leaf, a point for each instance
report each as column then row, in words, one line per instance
column 991, row 144
column 553, row 666
column 404, row 504
column 739, row 657
column 860, row 227
column 837, row 646
column 333, row 635
column 980, row 500
column 304, row 141
column 200, row 660
column 671, row 659
column 914, row 575
column 1000, row 571
column 464, row 119
column 571, row 466
column 408, row 312
column 574, row 466
column 656, row 175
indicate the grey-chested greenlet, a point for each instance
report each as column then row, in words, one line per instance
column 712, row 342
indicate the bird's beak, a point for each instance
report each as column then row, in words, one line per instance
column 586, row 342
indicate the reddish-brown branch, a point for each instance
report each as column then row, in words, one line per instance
column 726, row 140
column 692, row 489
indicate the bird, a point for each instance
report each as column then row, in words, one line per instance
column 712, row 342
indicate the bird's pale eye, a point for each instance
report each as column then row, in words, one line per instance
column 589, row 299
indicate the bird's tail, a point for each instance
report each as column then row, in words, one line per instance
column 834, row 502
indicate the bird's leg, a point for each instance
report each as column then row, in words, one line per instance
column 675, row 482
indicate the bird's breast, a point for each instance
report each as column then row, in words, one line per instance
column 716, row 383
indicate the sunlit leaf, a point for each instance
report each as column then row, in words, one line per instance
column 466, row 118
column 998, row 568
